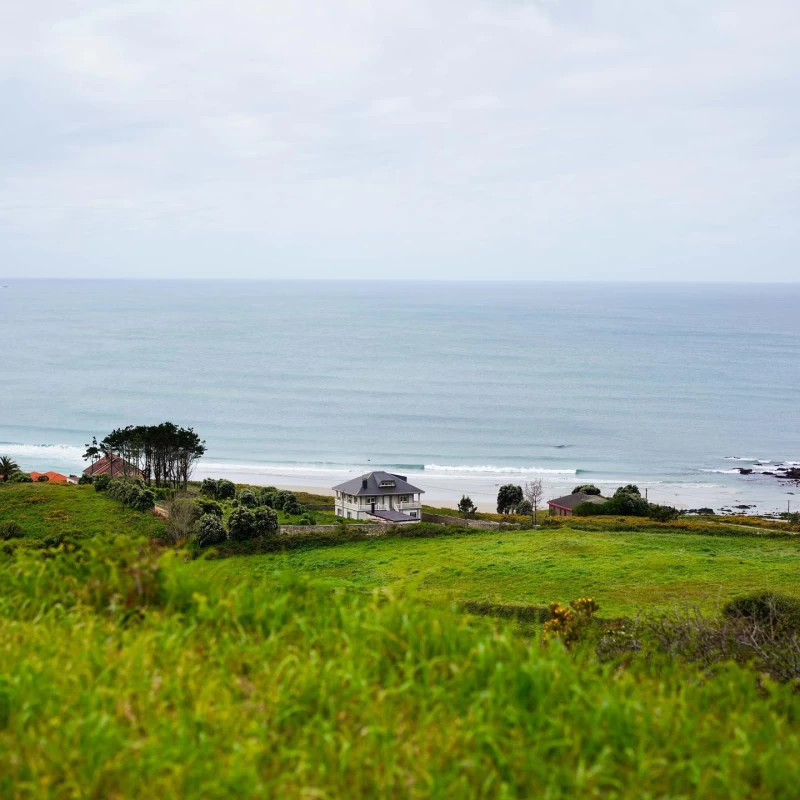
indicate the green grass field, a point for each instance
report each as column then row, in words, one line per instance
column 624, row 572
column 125, row 675
column 57, row 510
column 349, row 670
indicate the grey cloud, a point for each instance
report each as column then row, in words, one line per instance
column 468, row 139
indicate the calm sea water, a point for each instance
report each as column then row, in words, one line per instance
column 455, row 384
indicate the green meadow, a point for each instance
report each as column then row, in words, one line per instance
column 131, row 670
column 54, row 511
column 623, row 572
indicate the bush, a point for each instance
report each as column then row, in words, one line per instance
column 663, row 513
column 20, row 477
column 525, row 508
column 101, row 482
column 280, row 499
column 209, row 507
column 131, row 492
column 226, row 490
column 210, row 531
column 586, row 488
column 509, row 497
column 10, row 530
column 266, row 522
column 209, row 488
column 247, row 499
column 43, row 479
column 292, row 507
column 85, row 479
column 266, row 497
column 241, row 525
column 767, row 608
column 466, row 507
column 306, row 519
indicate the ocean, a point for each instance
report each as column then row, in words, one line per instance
column 459, row 386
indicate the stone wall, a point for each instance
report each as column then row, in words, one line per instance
column 442, row 519
column 366, row 528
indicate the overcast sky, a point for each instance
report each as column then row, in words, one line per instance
column 572, row 139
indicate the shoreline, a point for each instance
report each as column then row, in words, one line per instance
column 444, row 486
column 760, row 495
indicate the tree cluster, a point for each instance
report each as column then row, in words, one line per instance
column 243, row 525
column 162, row 454
column 627, row 501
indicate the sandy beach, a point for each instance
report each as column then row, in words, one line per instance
column 766, row 495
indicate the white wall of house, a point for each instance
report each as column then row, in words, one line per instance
column 354, row 507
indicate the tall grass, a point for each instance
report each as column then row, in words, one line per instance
column 124, row 674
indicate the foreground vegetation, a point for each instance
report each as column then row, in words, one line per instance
column 343, row 665
column 48, row 513
column 127, row 675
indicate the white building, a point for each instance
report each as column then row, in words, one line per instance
column 380, row 497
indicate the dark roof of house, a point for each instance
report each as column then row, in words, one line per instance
column 394, row 516
column 572, row 500
column 106, row 463
column 371, row 484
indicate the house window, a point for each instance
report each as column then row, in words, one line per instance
column 387, row 484
column 403, row 498
column 349, row 515
column 413, row 514
column 338, row 512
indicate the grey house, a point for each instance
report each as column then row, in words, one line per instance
column 564, row 506
column 380, row 497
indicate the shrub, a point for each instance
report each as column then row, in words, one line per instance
column 209, row 507
column 43, row 479
column 85, row 479
column 131, row 492
column 247, row 499
column 292, row 506
column 280, row 499
column 226, row 490
column 307, row 519
column 508, row 498
column 266, row 522
column 10, row 530
column 266, row 497
column 209, row 488
column 524, row 508
column 184, row 514
column 663, row 513
column 568, row 624
column 466, row 507
column 20, row 477
column 241, row 525
column 210, row 531
column 586, row 488
column 101, row 482
column 767, row 608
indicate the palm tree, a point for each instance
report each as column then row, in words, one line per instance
column 7, row 467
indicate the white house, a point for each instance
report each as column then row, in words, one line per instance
column 380, row 497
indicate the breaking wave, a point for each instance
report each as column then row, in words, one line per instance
column 490, row 469
column 62, row 452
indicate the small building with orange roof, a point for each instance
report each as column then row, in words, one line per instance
column 52, row 477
